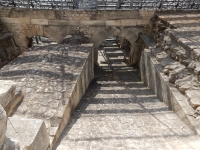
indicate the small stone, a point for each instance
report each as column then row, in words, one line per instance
column 186, row 62
column 50, row 113
column 48, row 89
column 166, row 71
column 197, row 70
column 172, row 77
column 53, row 83
column 42, row 110
column 77, row 61
column 53, row 131
column 184, row 87
column 57, row 95
column 39, row 89
column 196, row 52
column 193, row 65
column 195, row 102
column 166, row 47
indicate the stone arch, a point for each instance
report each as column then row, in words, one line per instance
column 23, row 32
column 130, row 34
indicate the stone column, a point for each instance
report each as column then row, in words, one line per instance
column 96, row 56
column 3, row 125
column 122, row 42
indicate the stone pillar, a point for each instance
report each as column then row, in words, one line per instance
column 3, row 125
column 96, row 56
column 122, row 42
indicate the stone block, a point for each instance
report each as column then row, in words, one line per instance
column 7, row 91
column 64, row 22
column 16, row 100
column 192, row 94
column 128, row 22
column 93, row 23
column 143, row 22
column 15, row 20
column 113, row 22
column 31, row 133
column 39, row 21
column 3, row 124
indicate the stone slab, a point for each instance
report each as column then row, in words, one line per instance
column 15, row 20
column 93, row 23
column 39, row 21
column 129, row 22
column 113, row 22
column 31, row 133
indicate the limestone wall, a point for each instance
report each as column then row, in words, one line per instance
column 56, row 24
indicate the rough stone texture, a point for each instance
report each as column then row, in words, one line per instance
column 118, row 112
column 177, row 34
column 10, row 144
column 195, row 102
column 57, row 24
column 7, row 91
column 53, row 79
column 192, row 94
column 3, row 125
column 31, row 133
column 10, row 97
column 152, row 74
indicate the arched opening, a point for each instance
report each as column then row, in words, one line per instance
column 126, row 37
column 113, row 51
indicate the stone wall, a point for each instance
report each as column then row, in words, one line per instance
column 8, row 50
column 171, row 63
column 56, row 24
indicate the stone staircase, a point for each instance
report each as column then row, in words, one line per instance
column 119, row 112
column 178, row 52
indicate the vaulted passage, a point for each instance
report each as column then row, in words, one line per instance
column 119, row 112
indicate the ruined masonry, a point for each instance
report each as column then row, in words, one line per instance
column 99, row 79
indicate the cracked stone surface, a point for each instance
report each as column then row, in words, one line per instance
column 46, row 75
column 118, row 112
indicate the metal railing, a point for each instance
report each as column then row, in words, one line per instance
column 102, row 4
